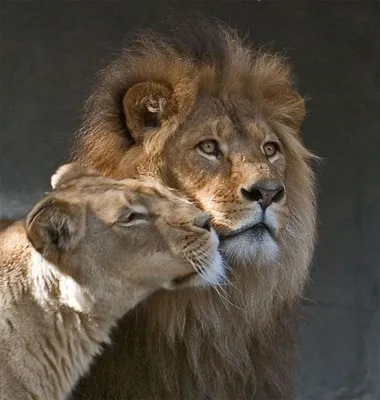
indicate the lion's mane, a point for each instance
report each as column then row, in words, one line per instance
column 239, row 342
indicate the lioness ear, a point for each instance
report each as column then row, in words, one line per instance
column 55, row 226
column 147, row 105
column 68, row 172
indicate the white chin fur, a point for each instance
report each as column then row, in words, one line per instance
column 214, row 274
column 247, row 249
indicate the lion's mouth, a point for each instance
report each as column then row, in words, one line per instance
column 259, row 228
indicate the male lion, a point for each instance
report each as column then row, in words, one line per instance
column 86, row 254
column 219, row 121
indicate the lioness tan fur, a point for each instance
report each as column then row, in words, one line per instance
column 151, row 113
column 85, row 255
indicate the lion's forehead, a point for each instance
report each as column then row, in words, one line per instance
column 238, row 123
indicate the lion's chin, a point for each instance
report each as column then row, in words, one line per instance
column 252, row 246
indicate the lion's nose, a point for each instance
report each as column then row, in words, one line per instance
column 203, row 221
column 265, row 193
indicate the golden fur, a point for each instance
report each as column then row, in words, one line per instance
column 150, row 114
column 85, row 255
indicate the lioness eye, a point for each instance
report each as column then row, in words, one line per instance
column 209, row 147
column 270, row 149
column 130, row 218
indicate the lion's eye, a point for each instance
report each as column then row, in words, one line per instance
column 209, row 147
column 270, row 149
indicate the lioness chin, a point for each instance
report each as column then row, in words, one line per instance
column 86, row 254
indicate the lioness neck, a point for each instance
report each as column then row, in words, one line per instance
column 48, row 336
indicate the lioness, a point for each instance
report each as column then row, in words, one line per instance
column 85, row 255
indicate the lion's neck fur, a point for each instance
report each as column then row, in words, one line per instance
column 49, row 332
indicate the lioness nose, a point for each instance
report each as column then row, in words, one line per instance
column 203, row 221
column 265, row 193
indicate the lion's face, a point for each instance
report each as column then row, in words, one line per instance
column 236, row 173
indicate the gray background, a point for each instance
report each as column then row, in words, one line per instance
column 50, row 53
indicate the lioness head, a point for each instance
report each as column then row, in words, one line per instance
column 222, row 127
column 117, row 232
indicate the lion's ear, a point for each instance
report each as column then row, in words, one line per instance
column 148, row 105
column 55, row 226
column 67, row 172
